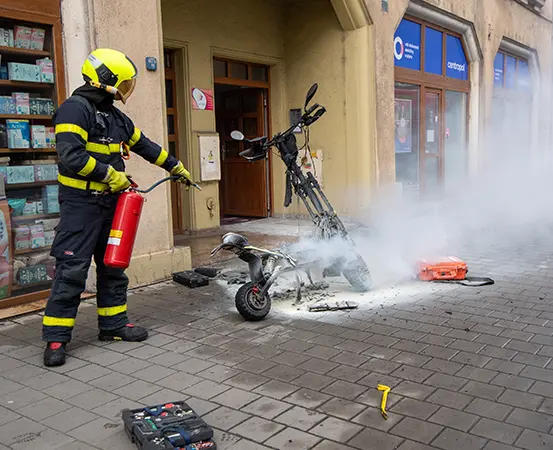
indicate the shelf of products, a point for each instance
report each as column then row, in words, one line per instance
column 32, row 250
column 25, row 116
column 25, row 218
column 5, row 151
column 4, row 50
column 30, row 74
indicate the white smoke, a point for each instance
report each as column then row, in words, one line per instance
column 507, row 203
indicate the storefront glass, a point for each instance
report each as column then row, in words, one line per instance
column 407, row 124
column 455, row 145
column 510, row 122
column 431, row 100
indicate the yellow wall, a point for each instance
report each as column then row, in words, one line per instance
column 304, row 43
column 249, row 28
column 111, row 24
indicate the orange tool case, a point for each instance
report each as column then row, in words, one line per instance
column 448, row 268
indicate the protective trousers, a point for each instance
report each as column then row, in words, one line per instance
column 82, row 233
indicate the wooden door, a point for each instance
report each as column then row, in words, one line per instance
column 173, row 137
column 243, row 187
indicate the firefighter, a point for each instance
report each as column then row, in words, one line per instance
column 92, row 138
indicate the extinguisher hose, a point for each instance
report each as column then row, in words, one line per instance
column 134, row 186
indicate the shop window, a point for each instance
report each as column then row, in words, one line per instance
column 239, row 73
column 407, row 124
column 511, row 72
column 239, row 70
column 408, row 41
column 433, row 48
column 431, row 100
column 407, row 45
column 455, row 154
column 31, row 87
column 260, row 73
column 169, row 93
column 511, row 119
column 220, row 68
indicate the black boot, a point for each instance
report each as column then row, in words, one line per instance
column 129, row 333
column 54, row 355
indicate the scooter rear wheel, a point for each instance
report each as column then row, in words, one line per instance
column 358, row 275
column 249, row 304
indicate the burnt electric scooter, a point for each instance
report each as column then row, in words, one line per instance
column 253, row 300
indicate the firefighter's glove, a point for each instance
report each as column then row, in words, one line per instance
column 118, row 181
column 184, row 174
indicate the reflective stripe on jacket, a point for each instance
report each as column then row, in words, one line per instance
column 88, row 141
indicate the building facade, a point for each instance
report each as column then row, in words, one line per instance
column 410, row 88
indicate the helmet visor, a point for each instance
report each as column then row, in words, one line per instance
column 125, row 90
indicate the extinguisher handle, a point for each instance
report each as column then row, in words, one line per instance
column 134, row 184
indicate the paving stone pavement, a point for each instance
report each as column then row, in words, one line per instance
column 470, row 368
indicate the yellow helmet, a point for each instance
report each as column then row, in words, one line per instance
column 112, row 71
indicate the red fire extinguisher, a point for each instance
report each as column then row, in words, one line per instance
column 125, row 224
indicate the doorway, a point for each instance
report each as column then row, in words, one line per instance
column 241, row 103
column 173, row 136
column 430, row 138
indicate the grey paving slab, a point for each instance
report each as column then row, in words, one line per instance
column 451, row 439
column 336, row 429
column 44, row 408
column 225, row 418
column 531, row 440
column 372, row 417
column 20, row 433
column 301, row 418
column 257, row 429
column 497, row 431
column 417, row 430
column 292, row 439
column 342, row 408
column 266, row 407
column 7, row 416
column 374, row 439
column 68, row 419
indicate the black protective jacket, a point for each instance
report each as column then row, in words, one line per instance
column 89, row 134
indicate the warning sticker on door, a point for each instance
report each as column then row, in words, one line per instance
column 114, row 241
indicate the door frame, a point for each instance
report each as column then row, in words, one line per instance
column 422, row 136
column 176, row 192
column 266, row 85
column 431, row 82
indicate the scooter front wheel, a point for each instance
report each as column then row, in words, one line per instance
column 249, row 303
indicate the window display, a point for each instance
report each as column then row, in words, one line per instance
column 29, row 207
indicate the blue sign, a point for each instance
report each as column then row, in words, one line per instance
column 433, row 45
column 151, row 63
column 407, row 45
column 510, row 72
column 498, row 65
column 456, row 62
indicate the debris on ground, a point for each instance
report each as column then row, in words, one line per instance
column 332, row 306
column 235, row 277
